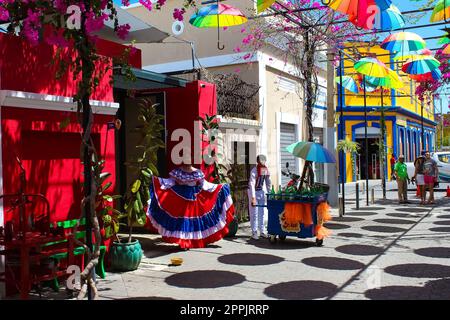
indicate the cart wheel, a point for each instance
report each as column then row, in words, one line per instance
column 272, row 239
column 282, row 238
column 319, row 242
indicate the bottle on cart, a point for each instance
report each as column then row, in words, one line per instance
column 272, row 193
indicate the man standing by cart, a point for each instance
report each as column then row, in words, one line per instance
column 258, row 185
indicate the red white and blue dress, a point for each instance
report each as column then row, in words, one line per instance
column 189, row 211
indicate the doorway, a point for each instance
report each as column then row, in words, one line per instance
column 373, row 162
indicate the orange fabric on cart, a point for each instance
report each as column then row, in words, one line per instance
column 298, row 213
column 323, row 215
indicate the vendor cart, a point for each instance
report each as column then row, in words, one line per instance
column 277, row 226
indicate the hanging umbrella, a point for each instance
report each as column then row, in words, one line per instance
column 372, row 67
column 262, row 5
column 441, row 11
column 422, row 65
column 222, row 15
column 446, row 50
column 348, row 83
column 436, row 74
column 412, row 54
column 444, row 40
column 217, row 15
column 391, row 81
column 311, row 151
column 389, row 19
column 359, row 11
column 403, row 42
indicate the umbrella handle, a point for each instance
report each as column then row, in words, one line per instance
column 220, row 47
column 326, row 2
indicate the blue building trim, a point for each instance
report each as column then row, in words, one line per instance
column 399, row 110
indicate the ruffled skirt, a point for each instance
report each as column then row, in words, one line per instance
column 190, row 216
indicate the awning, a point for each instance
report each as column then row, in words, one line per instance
column 140, row 31
column 146, row 80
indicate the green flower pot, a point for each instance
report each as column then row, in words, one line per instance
column 125, row 256
column 233, row 228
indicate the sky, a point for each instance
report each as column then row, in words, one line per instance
column 408, row 5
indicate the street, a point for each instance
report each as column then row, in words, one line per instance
column 385, row 251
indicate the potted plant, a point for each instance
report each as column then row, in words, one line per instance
column 126, row 254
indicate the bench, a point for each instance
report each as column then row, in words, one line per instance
column 69, row 225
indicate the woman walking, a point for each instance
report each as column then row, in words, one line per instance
column 431, row 174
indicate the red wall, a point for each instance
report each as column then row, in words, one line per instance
column 51, row 156
column 186, row 105
column 28, row 68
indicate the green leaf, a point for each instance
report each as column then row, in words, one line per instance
column 136, row 186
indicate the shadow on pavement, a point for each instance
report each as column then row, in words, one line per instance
column 301, row 290
column 336, row 226
column 440, row 229
column 386, row 229
column 205, row 279
column 360, row 213
column 433, row 290
column 360, row 250
column 434, row 252
column 419, row 270
column 290, row 243
column 332, row 263
column 250, row 259
column 347, row 219
column 350, row 235
column 395, row 221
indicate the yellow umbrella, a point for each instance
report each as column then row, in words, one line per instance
column 262, row 5
column 441, row 11
column 391, row 81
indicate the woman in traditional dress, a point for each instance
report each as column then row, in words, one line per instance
column 188, row 210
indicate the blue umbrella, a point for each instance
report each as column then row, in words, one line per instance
column 311, row 151
column 389, row 19
column 348, row 83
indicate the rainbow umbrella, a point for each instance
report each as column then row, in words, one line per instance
column 446, row 50
column 444, row 40
column 441, row 11
column 403, row 42
column 262, row 5
column 311, row 151
column 389, row 19
column 421, row 65
column 348, row 83
column 436, row 74
column 412, row 55
column 391, row 81
column 372, row 67
column 359, row 11
column 222, row 15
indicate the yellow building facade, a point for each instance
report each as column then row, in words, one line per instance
column 405, row 117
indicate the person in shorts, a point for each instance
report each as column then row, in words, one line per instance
column 430, row 171
column 419, row 177
column 401, row 175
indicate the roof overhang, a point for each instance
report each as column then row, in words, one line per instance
column 146, row 80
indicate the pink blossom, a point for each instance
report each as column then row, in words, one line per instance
column 147, row 4
column 94, row 23
column 178, row 14
column 123, row 30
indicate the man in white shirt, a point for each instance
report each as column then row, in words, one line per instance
column 259, row 178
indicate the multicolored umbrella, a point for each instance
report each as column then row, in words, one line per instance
column 348, row 83
column 436, row 74
column 441, row 11
column 311, row 151
column 391, row 81
column 262, row 5
column 422, row 65
column 222, row 15
column 412, row 55
column 359, row 11
column 372, row 67
column 403, row 42
column 446, row 50
column 389, row 19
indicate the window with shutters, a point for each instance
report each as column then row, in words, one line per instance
column 288, row 136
